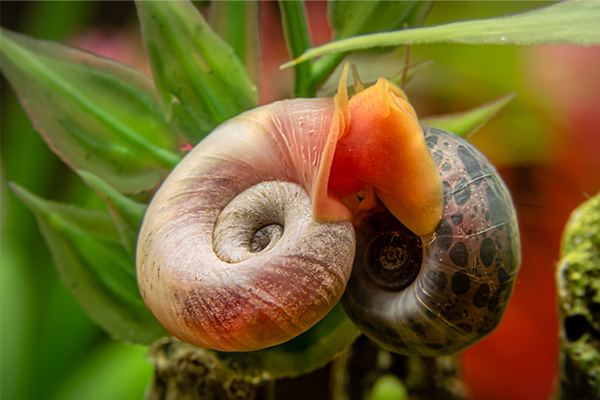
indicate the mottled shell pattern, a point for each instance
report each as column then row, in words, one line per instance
column 439, row 293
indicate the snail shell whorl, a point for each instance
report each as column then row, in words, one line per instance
column 229, row 255
column 466, row 267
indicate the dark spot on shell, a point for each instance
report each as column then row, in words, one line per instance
column 497, row 207
column 487, row 252
column 435, row 279
column 481, row 295
column 487, row 215
column 418, row 329
column 471, row 164
column 466, row 328
column 431, row 141
column 462, row 191
column 446, row 166
column 494, row 300
column 393, row 334
column 447, row 192
column 461, row 283
column 459, row 254
column 435, row 346
column 457, row 218
column 503, row 278
column 443, row 235
column 438, row 155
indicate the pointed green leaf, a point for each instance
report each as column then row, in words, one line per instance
column 200, row 80
column 95, row 113
column 238, row 23
column 305, row 353
column 466, row 123
column 128, row 214
column 568, row 22
column 93, row 264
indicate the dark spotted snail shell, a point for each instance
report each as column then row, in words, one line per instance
column 436, row 294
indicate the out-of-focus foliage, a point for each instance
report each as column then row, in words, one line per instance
column 49, row 346
column 567, row 22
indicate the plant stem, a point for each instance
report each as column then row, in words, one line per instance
column 297, row 36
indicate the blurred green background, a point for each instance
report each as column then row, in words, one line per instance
column 546, row 143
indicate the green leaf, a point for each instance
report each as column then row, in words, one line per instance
column 200, row 80
column 238, row 23
column 96, row 114
column 352, row 18
column 305, row 353
column 128, row 214
column 93, row 264
column 568, row 22
column 297, row 37
column 466, row 123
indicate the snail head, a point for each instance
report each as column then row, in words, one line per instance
column 380, row 145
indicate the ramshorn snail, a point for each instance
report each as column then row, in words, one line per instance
column 249, row 242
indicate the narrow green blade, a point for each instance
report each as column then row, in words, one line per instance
column 466, row 123
column 200, row 80
column 297, row 37
column 128, row 214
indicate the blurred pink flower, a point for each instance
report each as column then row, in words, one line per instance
column 118, row 44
